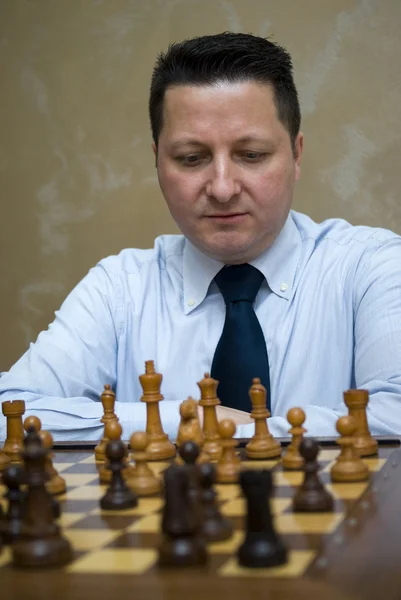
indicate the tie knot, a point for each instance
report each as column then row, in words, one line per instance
column 239, row 282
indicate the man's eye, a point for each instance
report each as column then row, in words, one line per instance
column 191, row 159
column 254, row 156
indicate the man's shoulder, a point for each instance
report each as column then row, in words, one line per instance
column 342, row 233
column 135, row 260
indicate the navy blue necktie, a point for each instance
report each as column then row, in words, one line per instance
column 241, row 352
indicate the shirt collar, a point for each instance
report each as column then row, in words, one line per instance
column 278, row 264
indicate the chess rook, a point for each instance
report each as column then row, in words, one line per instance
column 13, row 446
column 357, row 402
column 159, row 446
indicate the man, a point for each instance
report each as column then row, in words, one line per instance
column 251, row 289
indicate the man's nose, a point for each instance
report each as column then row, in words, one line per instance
column 223, row 183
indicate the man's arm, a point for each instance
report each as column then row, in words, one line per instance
column 377, row 349
column 62, row 375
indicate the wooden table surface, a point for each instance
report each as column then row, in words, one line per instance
column 360, row 560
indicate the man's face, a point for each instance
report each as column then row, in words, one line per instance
column 226, row 167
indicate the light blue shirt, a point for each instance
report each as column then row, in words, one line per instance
column 330, row 310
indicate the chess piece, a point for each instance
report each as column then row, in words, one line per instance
column 182, row 545
column 56, row 484
column 40, row 543
column 13, row 446
column 159, row 446
column 311, row 496
column 214, row 526
column 189, row 453
column 262, row 444
column 142, row 479
column 209, row 401
column 292, row 458
column 228, row 467
column 189, row 428
column 118, row 495
column 108, row 399
column 11, row 525
column 262, row 546
column 113, row 431
column 357, row 401
column 4, row 461
column 349, row 467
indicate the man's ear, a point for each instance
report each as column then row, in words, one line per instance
column 299, row 146
column 154, row 148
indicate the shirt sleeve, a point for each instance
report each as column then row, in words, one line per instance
column 376, row 286
column 60, row 375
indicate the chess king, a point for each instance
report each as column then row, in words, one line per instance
column 249, row 289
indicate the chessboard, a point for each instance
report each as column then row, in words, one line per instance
column 341, row 554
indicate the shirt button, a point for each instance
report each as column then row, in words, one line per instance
column 191, row 302
column 284, row 287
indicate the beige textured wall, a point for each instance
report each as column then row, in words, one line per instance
column 77, row 178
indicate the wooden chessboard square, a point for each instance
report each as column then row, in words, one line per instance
column 116, row 560
column 288, row 478
column 91, row 460
column 82, row 539
column 81, row 467
column 145, row 506
column 80, row 479
column 67, row 519
column 60, row 467
column 136, row 539
column 374, row 463
column 227, row 491
column 77, row 506
column 86, row 493
column 98, row 521
column 298, row 562
column 308, row 522
column 148, row 524
column 237, row 507
column 328, row 454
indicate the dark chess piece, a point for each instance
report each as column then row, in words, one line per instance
column 262, row 546
column 214, row 526
column 118, row 495
column 311, row 496
column 181, row 545
column 11, row 525
column 40, row 543
column 189, row 452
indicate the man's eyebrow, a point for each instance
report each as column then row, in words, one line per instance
column 242, row 140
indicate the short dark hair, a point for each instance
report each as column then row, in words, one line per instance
column 230, row 57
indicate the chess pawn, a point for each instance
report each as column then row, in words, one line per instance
column 159, row 446
column 209, row 401
column 14, row 444
column 56, row 484
column 41, row 543
column 263, row 444
column 357, row 401
column 118, row 495
column 214, row 526
column 311, row 496
column 113, row 431
column 108, row 399
column 228, row 467
column 349, row 467
column 142, row 479
column 292, row 458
